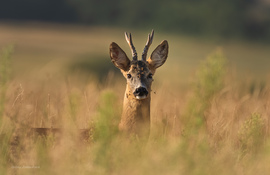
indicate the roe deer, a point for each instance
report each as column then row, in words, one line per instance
column 135, row 117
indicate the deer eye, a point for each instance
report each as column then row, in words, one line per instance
column 128, row 76
column 150, row 76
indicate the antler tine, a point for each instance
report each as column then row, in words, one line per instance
column 148, row 43
column 129, row 41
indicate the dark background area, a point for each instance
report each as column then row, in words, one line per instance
column 246, row 19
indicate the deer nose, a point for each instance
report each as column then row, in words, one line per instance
column 140, row 91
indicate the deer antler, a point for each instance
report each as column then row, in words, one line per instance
column 148, row 43
column 129, row 41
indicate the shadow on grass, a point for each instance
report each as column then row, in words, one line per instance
column 99, row 66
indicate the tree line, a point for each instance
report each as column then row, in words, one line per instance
column 230, row 18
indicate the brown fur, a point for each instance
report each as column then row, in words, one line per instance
column 136, row 115
column 136, row 112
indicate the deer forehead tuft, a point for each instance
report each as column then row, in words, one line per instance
column 139, row 67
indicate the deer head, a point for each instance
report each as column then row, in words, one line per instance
column 139, row 73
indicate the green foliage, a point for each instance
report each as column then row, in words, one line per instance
column 251, row 134
column 106, row 129
column 43, row 146
column 4, row 75
column 210, row 76
column 5, row 134
column 209, row 81
column 107, row 117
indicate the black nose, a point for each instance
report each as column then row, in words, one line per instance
column 141, row 91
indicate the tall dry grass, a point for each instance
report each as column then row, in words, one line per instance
column 218, row 125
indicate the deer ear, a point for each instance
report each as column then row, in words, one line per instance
column 119, row 57
column 159, row 55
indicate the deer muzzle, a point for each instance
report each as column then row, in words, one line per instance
column 140, row 93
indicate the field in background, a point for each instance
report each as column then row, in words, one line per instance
column 210, row 108
column 46, row 49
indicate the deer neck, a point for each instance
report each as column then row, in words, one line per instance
column 136, row 115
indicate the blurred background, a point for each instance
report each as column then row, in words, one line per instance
column 75, row 34
column 210, row 99
column 232, row 18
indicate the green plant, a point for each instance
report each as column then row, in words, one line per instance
column 209, row 81
column 105, row 129
column 5, row 131
column 251, row 134
column 5, row 57
column 107, row 117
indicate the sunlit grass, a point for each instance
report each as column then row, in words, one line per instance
column 5, row 131
column 218, row 124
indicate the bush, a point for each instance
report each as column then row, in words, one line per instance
column 251, row 134
column 209, row 81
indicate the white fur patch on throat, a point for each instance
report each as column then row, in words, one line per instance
column 141, row 97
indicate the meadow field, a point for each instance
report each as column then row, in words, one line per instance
column 209, row 112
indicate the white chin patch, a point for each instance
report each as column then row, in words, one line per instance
column 141, row 97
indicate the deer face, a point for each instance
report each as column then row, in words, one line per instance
column 139, row 79
column 139, row 73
